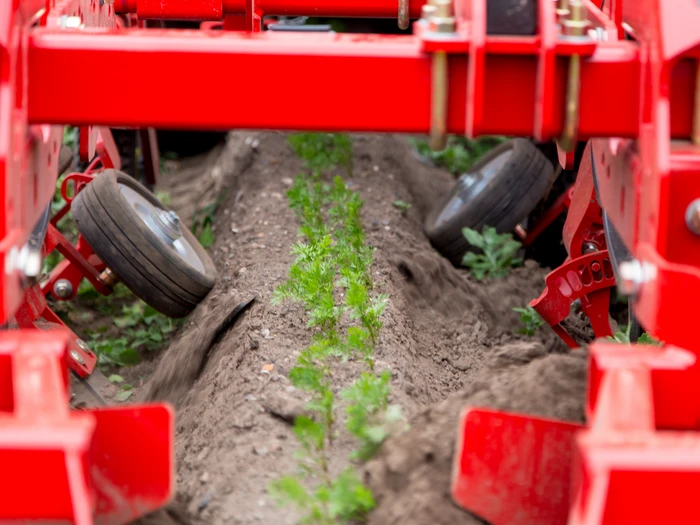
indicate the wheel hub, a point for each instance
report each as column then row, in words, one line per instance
column 167, row 223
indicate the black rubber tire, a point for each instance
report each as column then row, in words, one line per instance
column 502, row 199
column 511, row 17
column 141, row 260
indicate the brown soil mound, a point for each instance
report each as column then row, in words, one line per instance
column 411, row 476
column 230, row 384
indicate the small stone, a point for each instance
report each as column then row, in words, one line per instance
column 261, row 235
column 268, row 368
column 248, row 141
column 250, row 397
column 206, row 499
column 265, row 332
column 375, row 168
column 261, row 246
column 204, row 477
column 261, row 502
column 289, row 389
column 276, row 195
column 243, row 269
column 203, row 454
column 260, row 450
column 284, row 407
column 234, row 230
column 255, row 144
column 217, row 172
column 287, row 181
column 387, row 228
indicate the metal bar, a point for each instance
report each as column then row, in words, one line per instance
column 216, row 10
column 333, row 83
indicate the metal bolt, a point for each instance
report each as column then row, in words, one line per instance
column 70, row 22
column 577, row 22
column 63, row 288
column 632, row 275
column 77, row 357
column 589, row 247
column 443, row 20
column 108, row 277
column 29, row 261
column 427, row 12
column 403, row 14
column 562, row 9
column 692, row 217
column 26, row 261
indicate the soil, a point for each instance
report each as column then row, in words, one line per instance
column 448, row 340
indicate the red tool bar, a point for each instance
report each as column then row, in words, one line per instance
column 216, row 9
column 190, row 79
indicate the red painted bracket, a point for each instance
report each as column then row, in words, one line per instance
column 108, row 466
column 35, row 313
column 625, row 469
column 512, row 469
column 674, row 380
column 588, row 278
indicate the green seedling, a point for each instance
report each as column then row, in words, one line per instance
column 498, row 253
column 402, row 206
column 331, row 277
column 369, row 415
column 323, row 151
column 530, row 319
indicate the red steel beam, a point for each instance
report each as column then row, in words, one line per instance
column 217, row 9
column 189, row 79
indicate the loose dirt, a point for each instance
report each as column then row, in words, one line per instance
column 447, row 340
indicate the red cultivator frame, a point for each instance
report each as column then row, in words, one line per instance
column 620, row 75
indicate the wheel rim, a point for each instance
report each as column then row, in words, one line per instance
column 165, row 224
column 471, row 184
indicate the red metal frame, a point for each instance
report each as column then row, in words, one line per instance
column 637, row 456
column 586, row 275
column 76, row 460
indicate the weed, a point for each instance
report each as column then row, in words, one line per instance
column 530, row 320
column 623, row 337
column 402, row 206
column 333, row 258
column 498, row 253
column 69, row 136
column 125, row 392
column 460, row 153
column 203, row 224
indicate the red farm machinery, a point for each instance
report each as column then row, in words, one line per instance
column 616, row 83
